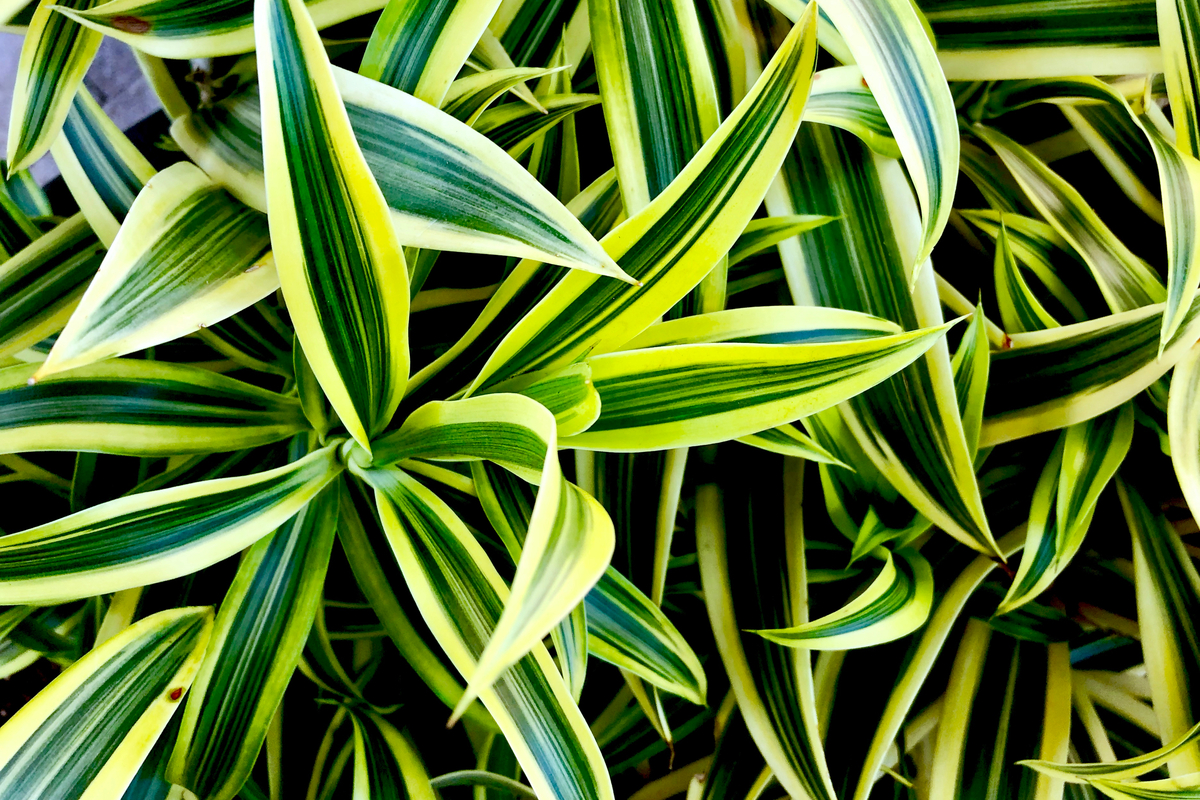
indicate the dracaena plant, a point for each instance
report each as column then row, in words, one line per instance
column 431, row 410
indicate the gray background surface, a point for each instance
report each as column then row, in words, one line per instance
column 114, row 80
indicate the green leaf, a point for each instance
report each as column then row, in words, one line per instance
column 980, row 40
column 909, row 427
column 568, row 394
column 788, row 440
column 529, row 701
column 898, row 62
column 86, row 734
column 136, row 407
column 921, row 660
column 1168, row 605
column 1184, row 787
column 676, row 240
column 516, row 127
column 895, row 604
column 418, row 46
column 1116, row 770
column 1055, row 378
column 569, row 540
column 763, row 234
column 56, row 53
column 378, row 576
column 1183, row 425
column 1125, row 280
column 971, row 365
column 470, row 95
column 101, row 167
column 1178, row 25
column 41, row 285
column 24, row 190
column 155, row 536
column 187, row 256
column 173, row 30
column 656, row 81
column 684, row 395
column 737, row 768
column 1084, row 461
column 840, row 98
column 760, row 582
column 1020, row 310
column 17, row 231
column 259, row 636
column 339, row 261
column 448, row 186
column 386, row 764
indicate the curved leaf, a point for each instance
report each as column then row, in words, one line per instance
column 1116, row 770
column 841, row 98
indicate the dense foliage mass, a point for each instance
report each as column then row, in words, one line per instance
column 675, row 396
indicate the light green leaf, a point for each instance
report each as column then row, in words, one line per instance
column 1184, row 787
column 971, row 366
column 470, row 196
column 418, row 46
column 41, row 285
column 763, row 234
column 1183, row 425
column 529, row 701
column 386, row 763
column 568, row 394
column 895, row 604
column 898, row 62
column 1020, row 310
column 340, row 264
column 17, row 231
column 173, row 30
column 788, row 440
column 56, row 53
column 1168, row 605
column 684, row 395
column 155, row 536
column 656, row 80
column 100, row 166
column 257, row 641
column 1178, row 27
column 759, row 581
column 516, row 128
column 1116, row 770
column 1084, row 461
column 673, row 243
column 136, row 407
column 841, row 98
column 86, row 734
column 1125, row 280
column 1055, row 378
column 569, row 540
column 470, row 95
column 187, row 256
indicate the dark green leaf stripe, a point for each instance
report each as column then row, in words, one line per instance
column 24, row 190
column 1020, row 310
column 1001, row 97
column 383, row 779
column 1179, row 35
column 255, row 337
column 435, row 559
column 841, row 98
column 257, row 641
column 70, row 747
column 154, row 536
column 501, row 442
column 53, row 59
column 584, row 308
column 471, row 94
column 139, row 407
column 40, row 286
column 114, row 179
